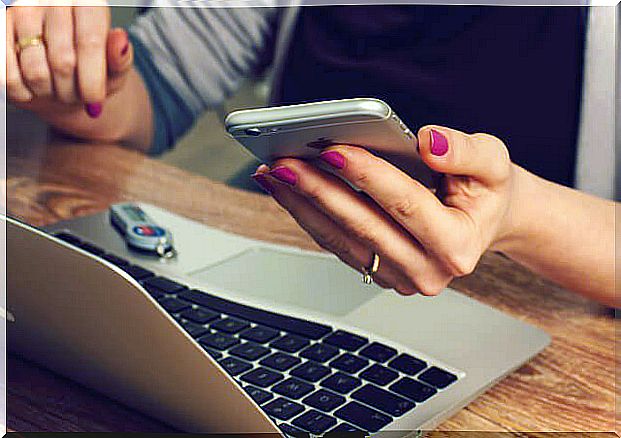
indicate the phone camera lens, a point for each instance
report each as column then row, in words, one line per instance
column 253, row 131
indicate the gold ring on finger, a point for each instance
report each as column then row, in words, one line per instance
column 368, row 272
column 31, row 41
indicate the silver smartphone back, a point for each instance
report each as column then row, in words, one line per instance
column 304, row 130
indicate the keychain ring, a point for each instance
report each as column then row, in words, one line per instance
column 165, row 253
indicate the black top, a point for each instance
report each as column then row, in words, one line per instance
column 514, row 72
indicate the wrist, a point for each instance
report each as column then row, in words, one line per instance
column 525, row 200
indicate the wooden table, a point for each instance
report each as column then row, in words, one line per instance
column 569, row 387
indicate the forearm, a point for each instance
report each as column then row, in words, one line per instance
column 126, row 117
column 564, row 235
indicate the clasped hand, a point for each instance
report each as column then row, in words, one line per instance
column 424, row 239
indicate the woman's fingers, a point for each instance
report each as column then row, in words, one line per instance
column 438, row 228
column 69, row 62
column 365, row 221
column 480, row 156
column 32, row 58
column 72, row 63
column 16, row 88
column 329, row 235
column 91, row 33
column 61, row 52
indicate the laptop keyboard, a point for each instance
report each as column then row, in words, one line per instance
column 308, row 377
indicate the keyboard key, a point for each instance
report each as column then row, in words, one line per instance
column 319, row 352
column 365, row 418
column 250, row 351
column 155, row 293
column 235, row 366
column 262, row 377
column 315, row 422
column 285, row 323
column 310, row 371
column 194, row 330
column 378, row 352
column 292, row 431
column 324, row 400
column 280, row 361
column 290, row 343
column 410, row 388
column 379, row 375
column 93, row 249
column 164, row 284
column 341, row 383
column 344, row 427
column 293, row 388
column 437, row 377
column 219, row 341
column 118, row 261
column 173, row 305
column 138, row 272
column 407, row 364
column 349, row 363
column 213, row 353
column 68, row 237
column 283, row 409
column 345, row 340
column 200, row 316
column 259, row 334
column 383, row 400
column 230, row 325
column 258, row 395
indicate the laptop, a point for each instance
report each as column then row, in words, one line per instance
column 235, row 335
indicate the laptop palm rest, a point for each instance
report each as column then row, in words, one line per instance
column 316, row 283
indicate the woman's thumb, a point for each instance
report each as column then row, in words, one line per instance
column 452, row 152
column 119, row 52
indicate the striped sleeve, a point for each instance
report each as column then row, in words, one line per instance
column 192, row 59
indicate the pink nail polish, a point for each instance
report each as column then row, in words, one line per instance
column 285, row 175
column 439, row 143
column 263, row 182
column 126, row 38
column 94, row 109
column 333, row 158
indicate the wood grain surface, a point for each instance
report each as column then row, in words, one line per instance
column 569, row 387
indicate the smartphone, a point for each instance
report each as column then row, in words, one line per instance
column 304, row 130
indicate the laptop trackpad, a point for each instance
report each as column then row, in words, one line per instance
column 319, row 283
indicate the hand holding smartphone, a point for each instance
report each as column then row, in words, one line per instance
column 304, row 130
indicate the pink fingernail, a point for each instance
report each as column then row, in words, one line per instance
column 126, row 38
column 439, row 143
column 285, row 175
column 263, row 182
column 333, row 158
column 94, row 109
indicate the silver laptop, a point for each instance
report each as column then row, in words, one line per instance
column 238, row 335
